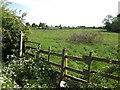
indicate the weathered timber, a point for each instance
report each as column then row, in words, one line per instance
column 103, row 60
column 30, row 54
column 75, row 58
column 32, row 42
column 110, row 76
column 27, row 47
column 66, row 56
column 75, row 78
column 43, row 51
column 55, row 64
column 72, row 77
column 63, row 64
column 106, row 75
column 46, row 61
column 106, row 60
column 51, row 53
column 89, row 62
column 74, row 70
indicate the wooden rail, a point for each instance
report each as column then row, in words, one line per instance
column 86, row 59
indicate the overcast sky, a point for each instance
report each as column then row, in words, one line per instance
column 67, row 12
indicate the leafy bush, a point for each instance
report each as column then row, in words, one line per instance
column 85, row 37
column 12, row 25
column 22, row 73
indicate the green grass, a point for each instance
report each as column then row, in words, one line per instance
column 58, row 39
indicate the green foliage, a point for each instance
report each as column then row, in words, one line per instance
column 29, row 74
column 85, row 37
column 27, row 24
column 12, row 24
column 34, row 25
column 112, row 23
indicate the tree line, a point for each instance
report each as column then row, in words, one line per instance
column 111, row 24
column 45, row 26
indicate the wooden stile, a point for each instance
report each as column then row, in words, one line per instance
column 86, row 59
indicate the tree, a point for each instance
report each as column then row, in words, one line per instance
column 34, row 25
column 12, row 25
column 27, row 24
column 112, row 23
column 118, row 15
column 42, row 25
column 60, row 26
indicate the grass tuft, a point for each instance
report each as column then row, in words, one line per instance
column 85, row 37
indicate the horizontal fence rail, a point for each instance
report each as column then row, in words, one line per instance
column 86, row 59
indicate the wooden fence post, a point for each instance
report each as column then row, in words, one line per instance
column 21, row 43
column 49, row 50
column 23, row 49
column 89, row 66
column 38, row 49
column 64, row 64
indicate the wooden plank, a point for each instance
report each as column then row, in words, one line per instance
column 74, row 70
column 75, row 58
column 43, row 51
column 72, row 77
column 75, row 78
column 46, row 61
column 106, row 60
column 66, row 56
column 110, row 76
column 55, row 64
column 32, row 42
column 30, row 54
column 27, row 47
column 51, row 53
column 57, row 54
column 106, row 75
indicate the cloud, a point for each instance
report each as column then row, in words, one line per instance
column 69, row 12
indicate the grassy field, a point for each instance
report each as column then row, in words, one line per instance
column 58, row 39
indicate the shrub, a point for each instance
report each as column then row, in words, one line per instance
column 85, row 37
column 12, row 25
column 29, row 74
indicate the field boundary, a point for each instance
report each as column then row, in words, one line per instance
column 64, row 67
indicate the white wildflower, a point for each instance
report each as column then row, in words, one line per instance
column 62, row 84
